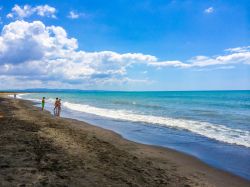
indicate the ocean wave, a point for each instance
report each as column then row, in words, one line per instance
column 19, row 96
column 209, row 130
column 134, row 103
column 48, row 100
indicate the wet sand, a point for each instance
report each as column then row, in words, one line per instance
column 38, row 149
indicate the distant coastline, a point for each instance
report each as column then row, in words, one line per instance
column 45, row 90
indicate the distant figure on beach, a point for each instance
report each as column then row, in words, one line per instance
column 56, row 107
column 43, row 103
column 59, row 107
column 14, row 96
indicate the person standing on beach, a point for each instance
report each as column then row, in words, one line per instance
column 59, row 107
column 56, row 107
column 43, row 103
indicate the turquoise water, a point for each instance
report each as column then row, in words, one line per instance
column 214, row 126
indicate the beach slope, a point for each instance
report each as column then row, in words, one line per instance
column 39, row 149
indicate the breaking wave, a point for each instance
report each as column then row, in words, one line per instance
column 209, row 130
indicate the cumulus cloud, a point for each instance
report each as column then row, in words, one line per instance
column 20, row 12
column 21, row 41
column 209, row 10
column 46, row 54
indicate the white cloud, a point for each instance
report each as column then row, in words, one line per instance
column 234, row 57
column 76, row 15
column 22, row 41
column 216, row 68
column 45, row 54
column 209, row 10
column 226, row 67
column 73, row 15
column 174, row 63
column 27, row 11
column 34, row 51
column 45, row 11
column 238, row 49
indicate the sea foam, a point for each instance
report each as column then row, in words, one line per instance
column 209, row 130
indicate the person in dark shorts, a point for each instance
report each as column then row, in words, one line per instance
column 56, row 107
column 59, row 107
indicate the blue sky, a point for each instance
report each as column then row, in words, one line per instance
column 125, row 45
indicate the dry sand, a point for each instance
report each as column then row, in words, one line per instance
column 37, row 149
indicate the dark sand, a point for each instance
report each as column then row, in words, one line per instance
column 37, row 149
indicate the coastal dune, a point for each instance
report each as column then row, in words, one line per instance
column 39, row 149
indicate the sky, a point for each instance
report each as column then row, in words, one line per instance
column 125, row 44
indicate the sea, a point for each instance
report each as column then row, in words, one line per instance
column 213, row 126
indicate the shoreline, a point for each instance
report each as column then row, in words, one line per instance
column 165, row 166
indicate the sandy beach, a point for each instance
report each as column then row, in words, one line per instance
column 38, row 149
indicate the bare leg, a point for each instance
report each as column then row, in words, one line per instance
column 59, row 111
column 55, row 111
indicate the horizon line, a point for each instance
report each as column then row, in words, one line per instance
column 65, row 89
